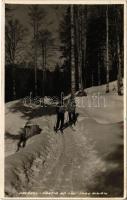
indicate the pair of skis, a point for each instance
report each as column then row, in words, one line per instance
column 61, row 130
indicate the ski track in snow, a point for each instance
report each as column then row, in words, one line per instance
column 77, row 157
column 76, row 164
column 65, row 173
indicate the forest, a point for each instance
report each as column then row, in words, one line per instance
column 87, row 47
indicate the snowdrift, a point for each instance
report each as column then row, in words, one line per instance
column 22, row 166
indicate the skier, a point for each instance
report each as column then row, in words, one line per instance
column 71, row 108
column 60, row 110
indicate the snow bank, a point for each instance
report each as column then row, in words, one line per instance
column 13, row 120
column 102, row 88
column 21, row 167
column 104, row 108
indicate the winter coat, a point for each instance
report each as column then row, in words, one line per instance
column 71, row 106
column 60, row 109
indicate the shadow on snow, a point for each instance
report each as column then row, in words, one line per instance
column 30, row 113
column 112, row 180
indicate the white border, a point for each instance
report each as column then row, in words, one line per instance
column 125, row 100
column 2, row 116
column 2, row 73
column 65, row 1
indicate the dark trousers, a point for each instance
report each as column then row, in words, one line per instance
column 22, row 141
column 60, row 120
column 72, row 117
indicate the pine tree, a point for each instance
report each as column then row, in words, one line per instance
column 107, row 51
column 36, row 15
column 45, row 41
column 119, row 51
column 14, row 35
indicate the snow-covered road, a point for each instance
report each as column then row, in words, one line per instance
column 80, row 160
column 86, row 160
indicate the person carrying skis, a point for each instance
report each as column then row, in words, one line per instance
column 60, row 110
column 71, row 108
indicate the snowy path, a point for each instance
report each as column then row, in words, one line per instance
column 72, row 167
column 77, row 163
column 82, row 161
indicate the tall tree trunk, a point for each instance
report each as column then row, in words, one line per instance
column 80, row 49
column 36, row 14
column 13, row 64
column 99, row 68
column 44, row 69
column 119, row 56
column 76, row 22
column 99, row 73
column 35, row 70
column 82, row 45
column 119, row 74
column 92, row 79
column 107, row 51
column 14, row 82
column 45, row 56
column 85, row 39
column 43, row 66
column 35, row 58
column 72, row 51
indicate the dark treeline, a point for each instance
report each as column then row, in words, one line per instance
column 53, row 84
column 90, row 44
